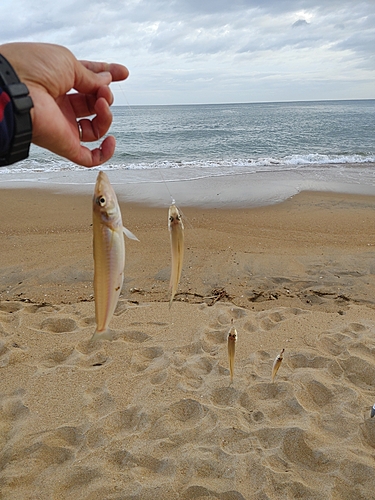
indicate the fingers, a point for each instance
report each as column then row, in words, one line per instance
column 97, row 156
column 85, row 104
column 89, row 76
column 93, row 130
column 118, row 71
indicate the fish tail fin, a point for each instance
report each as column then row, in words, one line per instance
column 171, row 300
column 102, row 335
column 96, row 336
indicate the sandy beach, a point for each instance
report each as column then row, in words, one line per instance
column 152, row 414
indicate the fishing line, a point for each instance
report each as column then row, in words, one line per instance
column 177, row 232
column 173, row 201
column 144, row 138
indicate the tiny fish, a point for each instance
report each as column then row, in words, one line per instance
column 373, row 411
column 176, row 229
column 232, row 339
column 109, row 253
column 277, row 363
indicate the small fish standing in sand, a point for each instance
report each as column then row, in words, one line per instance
column 277, row 363
column 109, row 253
column 176, row 229
column 373, row 411
column 232, row 339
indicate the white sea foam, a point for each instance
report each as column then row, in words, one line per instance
column 221, row 166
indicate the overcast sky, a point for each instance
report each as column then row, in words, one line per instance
column 213, row 51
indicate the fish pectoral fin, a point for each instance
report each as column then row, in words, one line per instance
column 129, row 234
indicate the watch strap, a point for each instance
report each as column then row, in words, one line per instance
column 22, row 103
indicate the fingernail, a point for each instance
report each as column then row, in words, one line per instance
column 105, row 74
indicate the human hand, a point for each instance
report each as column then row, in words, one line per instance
column 50, row 72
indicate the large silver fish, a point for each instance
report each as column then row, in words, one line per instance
column 276, row 364
column 109, row 253
column 176, row 229
column 232, row 339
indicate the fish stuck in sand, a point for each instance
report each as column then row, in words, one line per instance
column 232, row 339
column 373, row 411
column 176, row 229
column 277, row 363
column 109, row 253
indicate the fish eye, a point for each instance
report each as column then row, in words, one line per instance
column 101, row 201
column 171, row 218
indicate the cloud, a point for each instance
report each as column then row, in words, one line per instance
column 213, row 50
column 300, row 22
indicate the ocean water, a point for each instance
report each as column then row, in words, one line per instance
column 311, row 145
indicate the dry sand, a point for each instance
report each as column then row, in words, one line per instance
column 152, row 414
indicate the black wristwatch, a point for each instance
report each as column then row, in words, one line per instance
column 22, row 103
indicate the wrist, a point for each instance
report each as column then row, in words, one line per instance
column 21, row 104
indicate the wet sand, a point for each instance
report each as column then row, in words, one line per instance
column 152, row 413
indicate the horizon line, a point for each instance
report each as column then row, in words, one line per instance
column 248, row 102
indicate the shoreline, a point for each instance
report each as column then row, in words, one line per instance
column 149, row 187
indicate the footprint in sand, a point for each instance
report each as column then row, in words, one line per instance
column 136, row 336
column 13, row 415
column 150, row 359
column 194, row 371
column 186, row 420
column 59, row 325
column 53, row 447
column 297, row 450
column 359, row 372
column 270, row 320
column 225, row 396
column 9, row 319
column 199, row 492
column 126, row 460
column 99, row 402
column 307, row 360
column 69, row 356
column 133, row 420
column 10, row 307
column 12, row 353
column 77, row 479
column 368, row 432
